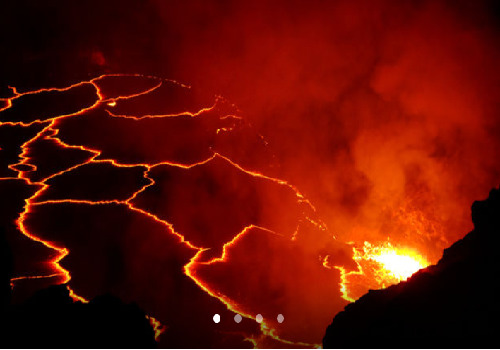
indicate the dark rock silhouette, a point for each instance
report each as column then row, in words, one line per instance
column 51, row 319
column 453, row 304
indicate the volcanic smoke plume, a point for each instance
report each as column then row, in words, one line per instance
column 304, row 153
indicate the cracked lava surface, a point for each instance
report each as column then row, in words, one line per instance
column 127, row 184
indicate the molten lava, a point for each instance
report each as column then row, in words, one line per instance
column 395, row 262
column 139, row 190
column 80, row 175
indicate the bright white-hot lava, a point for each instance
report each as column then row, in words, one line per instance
column 397, row 262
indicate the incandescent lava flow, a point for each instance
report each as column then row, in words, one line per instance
column 129, row 185
column 132, row 187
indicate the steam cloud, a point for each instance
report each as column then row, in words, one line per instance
column 384, row 113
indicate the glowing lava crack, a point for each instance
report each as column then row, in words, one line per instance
column 135, row 173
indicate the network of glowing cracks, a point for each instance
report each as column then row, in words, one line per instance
column 392, row 263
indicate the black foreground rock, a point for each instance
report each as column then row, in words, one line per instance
column 51, row 319
column 453, row 304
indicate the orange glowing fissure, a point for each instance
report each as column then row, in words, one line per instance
column 158, row 328
column 50, row 132
column 394, row 264
column 388, row 264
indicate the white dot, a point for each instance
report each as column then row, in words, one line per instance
column 259, row 318
column 280, row 318
column 216, row 318
column 237, row 318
